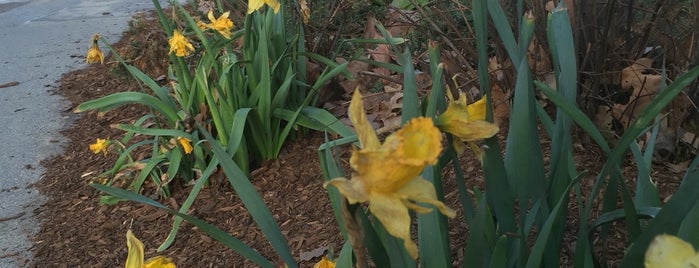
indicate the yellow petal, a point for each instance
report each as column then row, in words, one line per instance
column 159, row 262
column 274, row 4
column 476, row 110
column 670, row 251
column 471, row 131
column 255, row 5
column 186, row 145
column 100, row 145
column 94, row 54
column 389, row 209
column 421, row 190
column 221, row 24
column 458, row 145
column 179, row 44
column 365, row 132
column 210, row 15
column 324, row 263
column 354, row 190
column 467, row 122
column 135, row 247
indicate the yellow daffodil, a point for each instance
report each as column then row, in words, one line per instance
column 257, row 4
column 466, row 122
column 94, row 54
column 222, row 24
column 186, row 144
column 180, row 45
column 136, row 255
column 324, row 263
column 388, row 175
column 669, row 251
column 100, row 145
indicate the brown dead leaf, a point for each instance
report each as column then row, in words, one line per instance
column 390, row 124
column 391, row 104
column 382, row 53
column 635, row 78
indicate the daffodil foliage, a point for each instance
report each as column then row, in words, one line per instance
column 387, row 175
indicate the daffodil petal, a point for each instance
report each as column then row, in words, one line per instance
column 324, row 263
column 458, row 146
column 472, row 130
column 476, row 110
column 415, row 207
column 179, row 44
column 135, row 247
column 421, row 190
column 186, row 144
column 159, row 262
column 365, row 132
column 210, row 15
column 354, row 190
column 467, row 122
column 274, row 4
column 255, row 5
column 389, row 209
column 668, row 251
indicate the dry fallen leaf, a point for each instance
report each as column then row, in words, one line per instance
column 643, row 86
column 309, row 255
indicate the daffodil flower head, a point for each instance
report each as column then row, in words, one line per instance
column 136, row 255
column 669, row 251
column 254, row 5
column 388, row 175
column 466, row 122
column 222, row 24
column 100, row 145
column 94, row 54
column 180, row 45
column 186, row 144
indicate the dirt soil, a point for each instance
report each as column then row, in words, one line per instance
column 78, row 232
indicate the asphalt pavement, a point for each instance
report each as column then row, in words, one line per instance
column 40, row 40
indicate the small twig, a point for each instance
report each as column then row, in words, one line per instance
column 13, row 216
column 7, row 255
column 10, row 84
